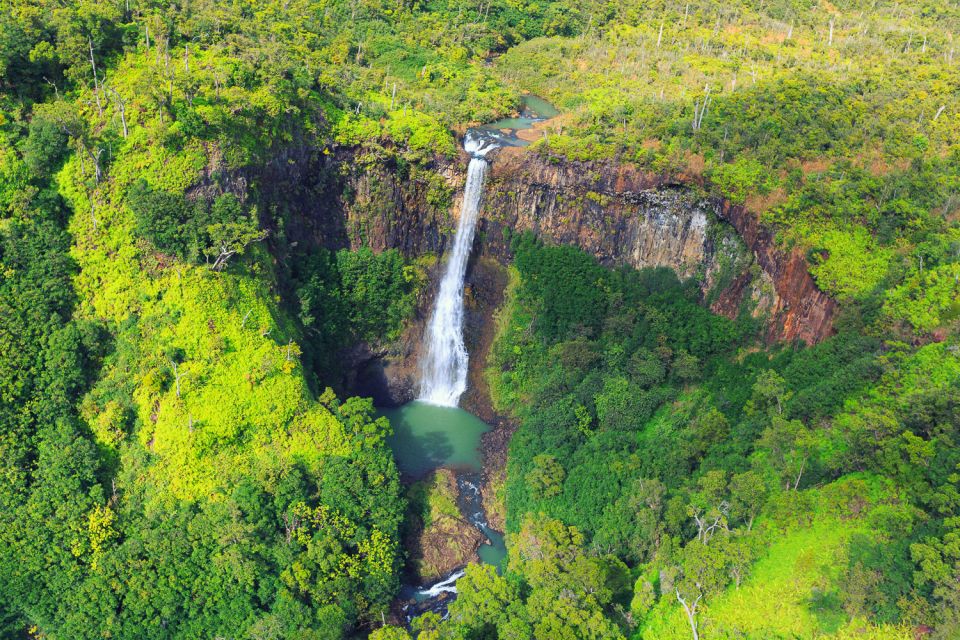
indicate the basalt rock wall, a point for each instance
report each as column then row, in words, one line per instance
column 611, row 211
column 352, row 199
column 802, row 311
column 623, row 215
column 614, row 211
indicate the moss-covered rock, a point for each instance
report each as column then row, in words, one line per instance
column 439, row 539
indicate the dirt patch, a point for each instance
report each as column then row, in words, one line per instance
column 695, row 166
column 536, row 131
column 818, row 165
column 761, row 203
column 880, row 166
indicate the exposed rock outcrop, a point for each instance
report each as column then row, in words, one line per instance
column 353, row 201
column 615, row 211
column 624, row 215
column 413, row 211
column 438, row 538
column 802, row 311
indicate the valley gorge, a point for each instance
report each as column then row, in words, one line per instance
column 617, row 212
column 614, row 211
column 479, row 321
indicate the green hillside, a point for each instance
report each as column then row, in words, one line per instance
column 179, row 454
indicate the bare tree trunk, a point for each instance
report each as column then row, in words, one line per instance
column 691, row 611
column 700, row 110
column 56, row 91
column 96, row 83
column 177, row 376
column 94, row 157
column 98, row 174
column 123, row 109
column 800, row 474
column 221, row 262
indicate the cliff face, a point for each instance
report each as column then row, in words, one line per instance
column 386, row 206
column 612, row 211
column 802, row 311
column 626, row 216
column 348, row 200
column 616, row 212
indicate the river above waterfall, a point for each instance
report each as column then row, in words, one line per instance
column 503, row 132
column 533, row 109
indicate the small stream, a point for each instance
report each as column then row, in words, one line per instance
column 533, row 109
column 427, row 437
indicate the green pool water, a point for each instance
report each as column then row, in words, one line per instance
column 496, row 551
column 426, row 437
column 539, row 106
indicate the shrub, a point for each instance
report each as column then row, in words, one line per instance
column 192, row 230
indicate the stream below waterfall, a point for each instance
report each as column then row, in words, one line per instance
column 432, row 432
column 427, row 437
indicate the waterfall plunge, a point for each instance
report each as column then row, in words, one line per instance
column 444, row 366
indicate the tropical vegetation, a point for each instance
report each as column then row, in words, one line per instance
column 179, row 457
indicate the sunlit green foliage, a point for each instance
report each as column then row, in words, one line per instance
column 214, row 230
column 170, row 471
column 171, row 474
column 835, row 125
column 707, row 485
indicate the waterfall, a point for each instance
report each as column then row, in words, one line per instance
column 444, row 365
column 447, row 585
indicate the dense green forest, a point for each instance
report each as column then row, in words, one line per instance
column 179, row 460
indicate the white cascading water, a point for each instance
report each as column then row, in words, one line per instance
column 447, row 585
column 444, row 365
